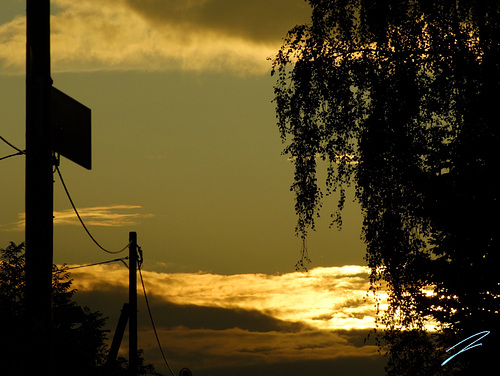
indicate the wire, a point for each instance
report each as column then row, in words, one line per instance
column 11, row 155
column 99, row 263
column 153, row 323
column 81, row 220
column 13, row 147
column 19, row 151
column 154, row 326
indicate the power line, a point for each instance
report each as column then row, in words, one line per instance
column 99, row 263
column 11, row 155
column 81, row 220
column 19, row 151
column 153, row 323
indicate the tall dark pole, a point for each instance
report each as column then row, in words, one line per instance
column 39, row 188
column 132, row 301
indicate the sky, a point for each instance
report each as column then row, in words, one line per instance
column 186, row 152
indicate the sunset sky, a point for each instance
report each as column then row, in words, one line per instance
column 248, row 324
column 186, row 153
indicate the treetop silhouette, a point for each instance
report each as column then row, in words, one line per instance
column 399, row 98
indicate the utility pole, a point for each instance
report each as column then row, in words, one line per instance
column 55, row 122
column 39, row 189
column 132, row 301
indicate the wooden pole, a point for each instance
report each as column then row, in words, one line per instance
column 39, row 189
column 132, row 301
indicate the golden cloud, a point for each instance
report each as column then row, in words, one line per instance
column 323, row 298
column 245, row 321
column 108, row 216
column 198, row 35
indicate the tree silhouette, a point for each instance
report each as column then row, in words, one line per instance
column 399, row 97
column 79, row 336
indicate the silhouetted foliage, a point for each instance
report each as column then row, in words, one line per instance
column 79, row 334
column 400, row 97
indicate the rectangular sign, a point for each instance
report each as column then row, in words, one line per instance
column 71, row 128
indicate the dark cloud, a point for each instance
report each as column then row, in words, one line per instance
column 348, row 366
column 358, row 338
column 247, row 353
column 259, row 20
column 351, row 338
column 259, row 349
column 168, row 315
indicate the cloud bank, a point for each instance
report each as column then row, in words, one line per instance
column 324, row 298
column 249, row 324
column 152, row 35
